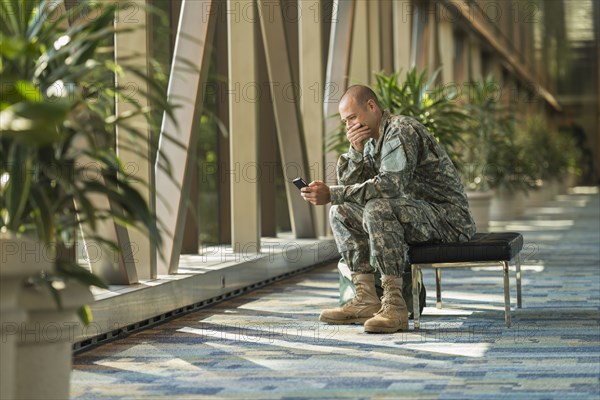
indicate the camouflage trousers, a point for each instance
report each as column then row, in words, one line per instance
column 379, row 234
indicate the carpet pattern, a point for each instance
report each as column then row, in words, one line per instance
column 268, row 343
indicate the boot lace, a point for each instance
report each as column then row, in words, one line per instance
column 357, row 299
column 387, row 300
column 386, row 305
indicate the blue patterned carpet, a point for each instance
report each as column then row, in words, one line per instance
column 269, row 344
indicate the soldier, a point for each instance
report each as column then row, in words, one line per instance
column 397, row 187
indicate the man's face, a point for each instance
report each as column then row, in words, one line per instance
column 352, row 113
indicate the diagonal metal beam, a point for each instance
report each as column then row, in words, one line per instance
column 338, row 66
column 189, row 73
column 287, row 117
column 310, row 38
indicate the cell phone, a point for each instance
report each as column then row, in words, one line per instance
column 300, row 183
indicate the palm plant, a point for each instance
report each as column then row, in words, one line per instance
column 495, row 156
column 552, row 153
column 508, row 167
column 489, row 120
column 430, row 104
column 58, row 120
column 422, row 99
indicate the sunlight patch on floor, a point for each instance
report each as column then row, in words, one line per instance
column 585, row 190
column 325, row 348
column 455, row 349
column 157, row 362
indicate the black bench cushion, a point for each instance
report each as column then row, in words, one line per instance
column 497, row 246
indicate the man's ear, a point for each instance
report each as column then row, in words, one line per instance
column 371, row 104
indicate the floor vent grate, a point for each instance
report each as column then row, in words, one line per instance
column 89, row 343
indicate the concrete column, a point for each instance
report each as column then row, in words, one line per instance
column 136, row 153
column 374, row 31
column 420, row 50
column 360, row 66
column 386, row 26
column 243, row 129
column 402, row 11
column 475, row 58
column 446, row 42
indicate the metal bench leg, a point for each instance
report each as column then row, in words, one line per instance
column 415, row 292
column 518, row 274
column 506, row 294
column 438, row 288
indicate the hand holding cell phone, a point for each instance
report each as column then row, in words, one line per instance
column 300, row 183
column 318, row 194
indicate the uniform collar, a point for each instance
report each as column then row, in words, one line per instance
column 382, row 127
column 383, row 123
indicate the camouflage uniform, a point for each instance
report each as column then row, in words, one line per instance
column 403, row 189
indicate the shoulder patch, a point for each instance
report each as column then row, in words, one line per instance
column 393, row 157
column 390, row 146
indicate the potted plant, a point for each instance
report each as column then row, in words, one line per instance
column 510, row 172
column 483, row 126
column 573, row 158
column 553, row 155
column 57, row 122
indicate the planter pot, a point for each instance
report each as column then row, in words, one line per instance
column 572, row 180
column 17, row 263
column 44, row 350
column 538, row 196
column 554, row 189
column 507, row 205
column 563, row 184
column 547, row 192
column 479, row 203
column 535, row 198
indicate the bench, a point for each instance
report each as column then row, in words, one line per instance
column 484, row 249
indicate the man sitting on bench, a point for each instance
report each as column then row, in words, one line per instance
column 397, row 187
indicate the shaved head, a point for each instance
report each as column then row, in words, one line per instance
column 361, row 95
column 361, row 113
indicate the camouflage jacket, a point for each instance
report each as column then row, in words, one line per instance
column 406, row 161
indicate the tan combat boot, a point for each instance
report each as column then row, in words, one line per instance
column 362, row 307
column 393, row 315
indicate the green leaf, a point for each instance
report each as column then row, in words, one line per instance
column 55, row 293
column 20, row 169
column 40, row 17
column 33, row 123
column 9, row 17
column 84, row 206
column 28, row 91
column 85, row 315
column 80, row 274
column 42, row 214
